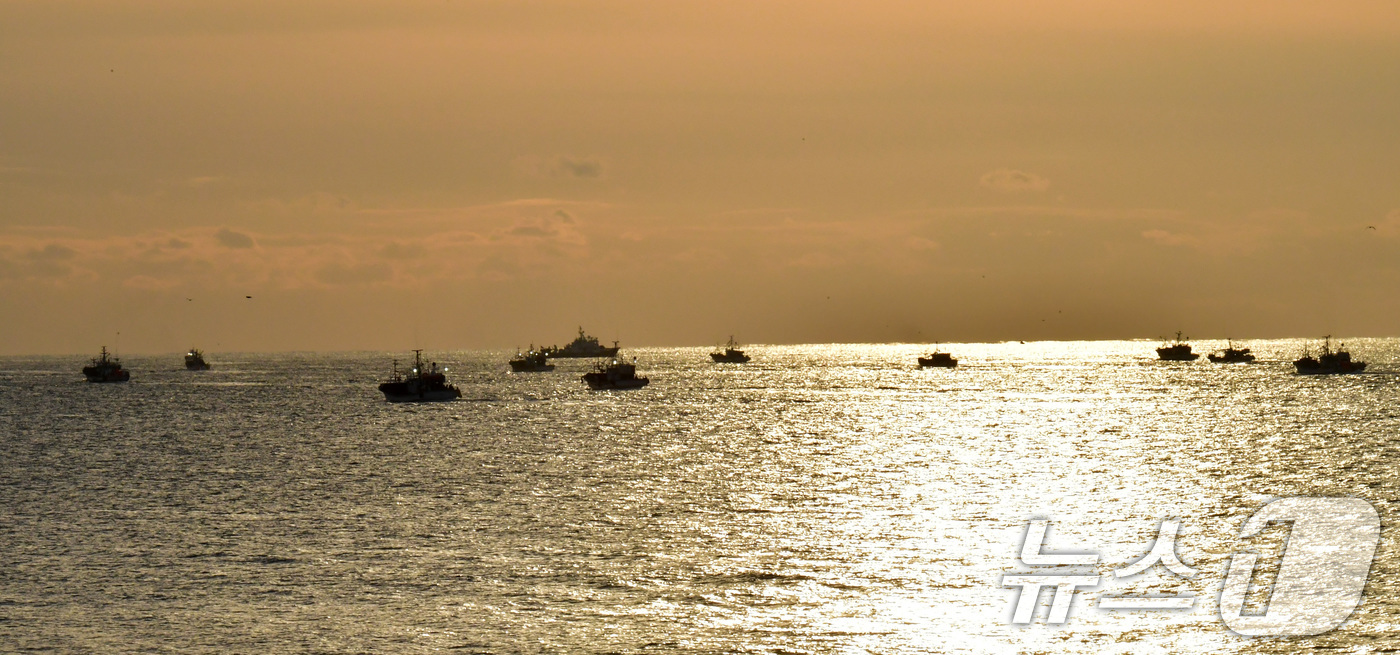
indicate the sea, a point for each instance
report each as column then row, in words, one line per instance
column 819, row 499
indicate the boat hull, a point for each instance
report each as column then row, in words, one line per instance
column 565, row 353
column 937, row 362
column 106, row 376
column 429, row 397
column 602, row 382
column 528, row 367
column 1304, row 369
column 1247, row 359
column 721, row 358
column 1168, row 355
column 402, row 392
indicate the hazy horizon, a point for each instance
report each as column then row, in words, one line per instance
column 482, row 174
column 1201, row 346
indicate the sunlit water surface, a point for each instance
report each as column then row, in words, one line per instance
column 821, row 499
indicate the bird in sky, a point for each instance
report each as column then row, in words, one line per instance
column 248, row 297
column 1370, row 227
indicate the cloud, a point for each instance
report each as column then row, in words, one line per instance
column 51, row 253
column 587, row 168
column 1165, row 238
column 49, row 262
column 397, row 250
column 497, row 269
column 1010, row 180
column 559, row 226
column 531, row 231
column 236, row 240
column 407, row 247
column 337, row 274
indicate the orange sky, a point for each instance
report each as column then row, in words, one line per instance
column 462, row 174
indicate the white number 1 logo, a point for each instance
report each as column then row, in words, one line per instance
column 1327, row 559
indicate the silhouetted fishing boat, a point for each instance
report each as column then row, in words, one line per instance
column 194, row 360
column 731, row 354
column 938, row 359
column 1231, row 355
column 1178, row 351
column 105, row 368
column 420, row 384
column 1328, row 361
column 614, row 375
column 582, row 346
column 530, row 361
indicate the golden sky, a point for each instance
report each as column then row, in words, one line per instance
column 466, row 174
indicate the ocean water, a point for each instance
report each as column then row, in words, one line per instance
column 820, row 499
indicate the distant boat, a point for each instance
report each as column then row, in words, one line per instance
column 194, row 360
column 420, row 384
column 582, row 346
column 731, row 354
column 530, row 361
column 614, row 375
column 105, row 368
column 1328, row 361
column 1231, row 355
column 938, row 360
column 1178, row 351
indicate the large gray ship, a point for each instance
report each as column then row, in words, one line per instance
column 582, row 346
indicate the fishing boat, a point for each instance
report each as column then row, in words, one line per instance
column 1177, row 351
column 582, row 346
column 530, row 361
column 1328, row 361
column 614, row 375
column 420, row 384
column 731, row 354
column 1231, row 355
column 938, row 360
column 194, row 360
column 106, row 368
